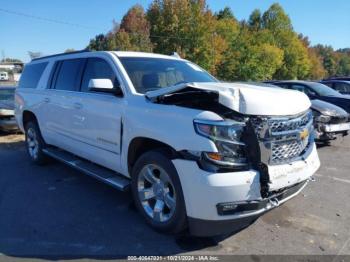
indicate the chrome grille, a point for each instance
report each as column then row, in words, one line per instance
column 290, row 124
column 286, row 150
column 283, row 139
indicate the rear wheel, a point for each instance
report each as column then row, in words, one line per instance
column 157, row 192
column 35, row 143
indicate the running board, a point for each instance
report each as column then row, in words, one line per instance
column 103, row 174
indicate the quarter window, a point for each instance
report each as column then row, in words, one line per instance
column 31, row 75
column 97, row 68
column 69, row 75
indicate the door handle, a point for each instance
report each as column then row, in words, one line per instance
column 78, row 106
column 46, row 99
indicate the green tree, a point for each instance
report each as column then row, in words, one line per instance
column 296, row 63
column 255, row 20
column 225, row 13
column 248, row 58
column 328, row 57
column 343, row 65
column 99, row 43
column 276, row 20
column 186, row 27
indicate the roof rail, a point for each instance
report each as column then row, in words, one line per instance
column 61, row 54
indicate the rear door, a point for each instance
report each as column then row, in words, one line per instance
column 61, row 101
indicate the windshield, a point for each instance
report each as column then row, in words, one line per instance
column 323, row 90
column 149, row 74
column 7, row 94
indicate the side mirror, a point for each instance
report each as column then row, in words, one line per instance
column 104, row 86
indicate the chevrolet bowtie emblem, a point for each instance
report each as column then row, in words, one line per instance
column 304, row 134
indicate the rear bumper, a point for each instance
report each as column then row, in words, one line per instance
column 254, row 209
column 8, row 124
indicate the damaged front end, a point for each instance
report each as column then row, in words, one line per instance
column 244, row 138
column 247, row 137
column 330, row 121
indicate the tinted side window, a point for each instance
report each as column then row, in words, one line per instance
column 342, row 87
column 306, row 90
column 97, row 68
column 69, row 75
column 328, row 84
column 299, row 88
column 31, row 75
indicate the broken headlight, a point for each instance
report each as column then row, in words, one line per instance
column 321, row 117
column 226, row 136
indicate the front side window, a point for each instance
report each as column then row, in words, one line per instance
column 149, row 74
column 97, row 68
column 328, row 84
column 69, row 73
column 299, row 88
column 323, row 90
column 31, row 75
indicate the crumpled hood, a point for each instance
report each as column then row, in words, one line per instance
column 327, row 109
column 246, row 98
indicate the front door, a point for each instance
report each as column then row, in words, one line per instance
column 97, row 118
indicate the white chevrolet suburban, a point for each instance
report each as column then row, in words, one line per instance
column 197, row 153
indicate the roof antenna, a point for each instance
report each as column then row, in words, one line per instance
column 175, row 54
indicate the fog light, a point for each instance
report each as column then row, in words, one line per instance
column 226, row 208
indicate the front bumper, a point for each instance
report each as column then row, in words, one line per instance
column 200, row 227
column 203, row 191
column 334, row 128
column 331, row 131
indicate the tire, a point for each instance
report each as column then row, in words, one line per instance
column 35, row 143
column 157, row 192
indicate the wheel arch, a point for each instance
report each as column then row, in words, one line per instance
column 27, row 116
column 141, row 145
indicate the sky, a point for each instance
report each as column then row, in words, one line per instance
column 323, row 21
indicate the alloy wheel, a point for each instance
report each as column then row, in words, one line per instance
column 156, row 193
column 32, row 142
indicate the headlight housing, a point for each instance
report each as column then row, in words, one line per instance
column 227, row 137
column 321, row 117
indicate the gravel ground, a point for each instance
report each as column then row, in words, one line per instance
column 56, row 212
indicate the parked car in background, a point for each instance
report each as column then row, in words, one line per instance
column 315, row 90
column 197, row 153
column 7, row 104
column 342, row 86
column 4, row 76
column 330, row 121
column 346, row 78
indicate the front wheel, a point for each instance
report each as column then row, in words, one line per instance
column 157, row 192
column 35, row 143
